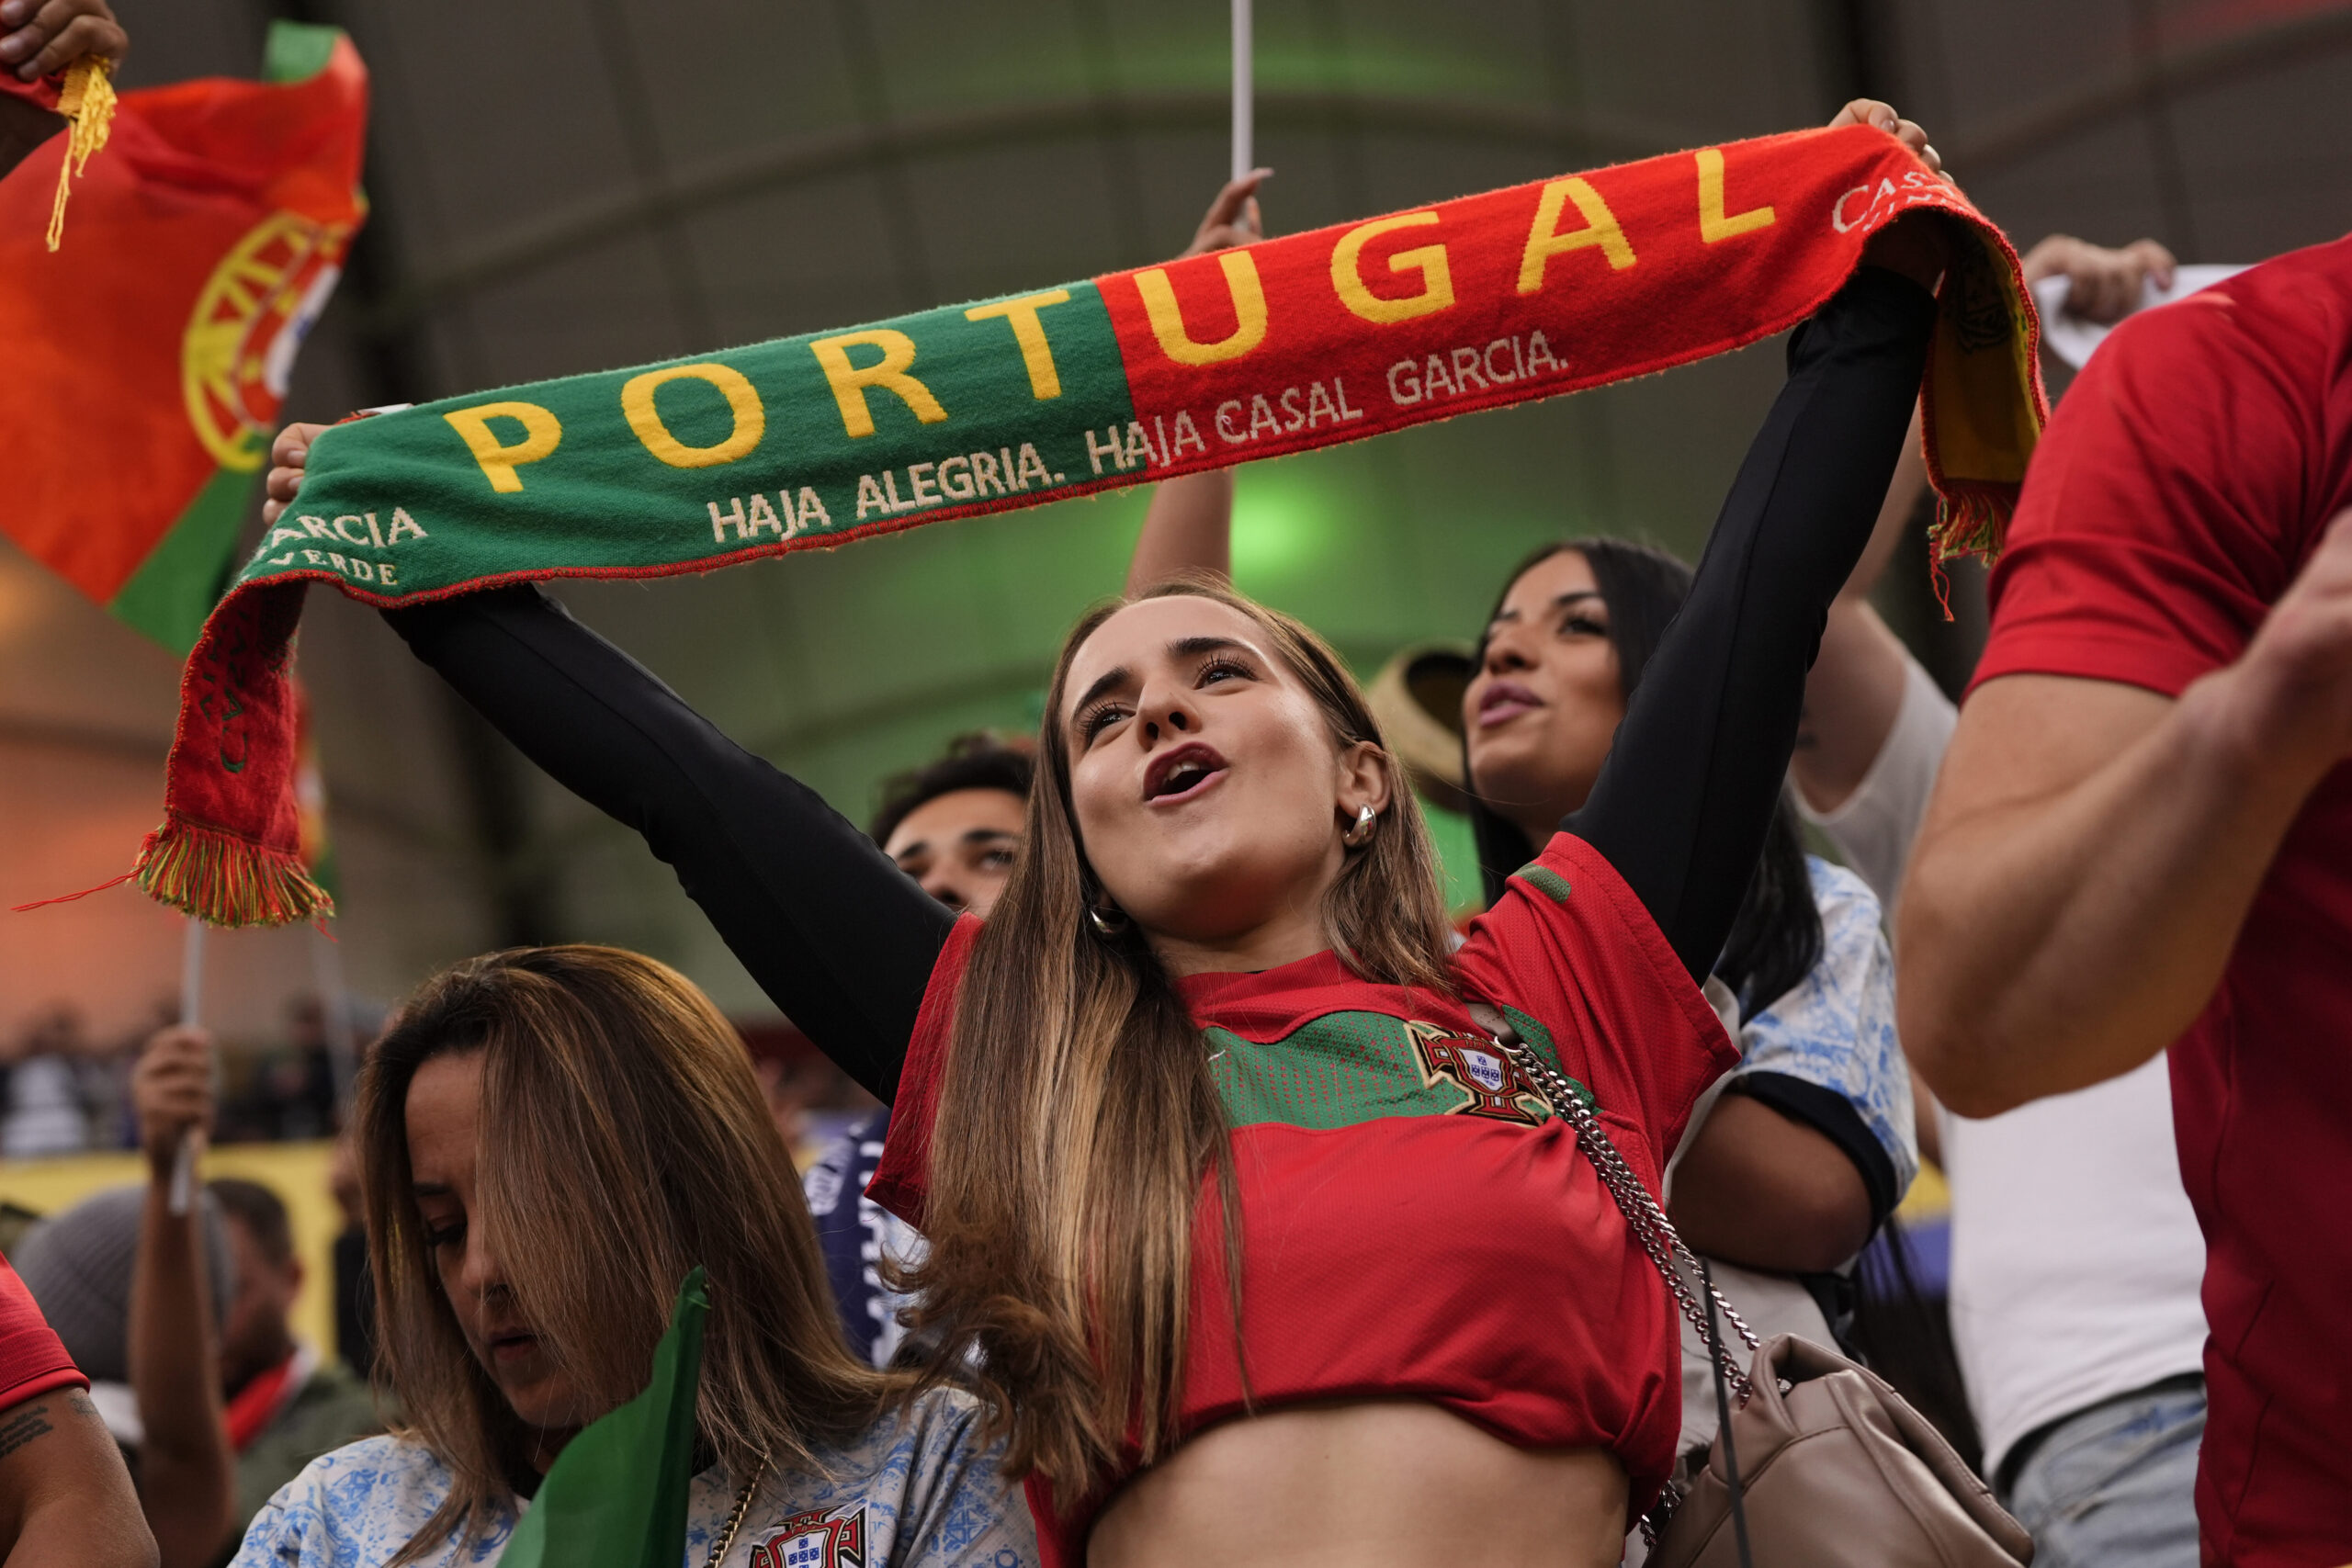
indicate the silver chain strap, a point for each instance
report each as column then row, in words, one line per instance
column 1651, row 1228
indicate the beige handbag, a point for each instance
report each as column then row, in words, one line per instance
column 1816, row 1462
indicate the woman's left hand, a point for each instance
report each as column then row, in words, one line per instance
column 1916, row 244
column 1870, row 111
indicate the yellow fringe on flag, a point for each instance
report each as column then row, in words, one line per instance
column 87, row 99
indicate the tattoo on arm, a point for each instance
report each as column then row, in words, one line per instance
column 24, row 1427
column 28, row 1425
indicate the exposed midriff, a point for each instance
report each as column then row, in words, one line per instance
column 1375, row 1483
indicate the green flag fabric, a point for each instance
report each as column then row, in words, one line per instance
column 615, row 1497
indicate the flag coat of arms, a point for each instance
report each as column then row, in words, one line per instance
column 148, row 356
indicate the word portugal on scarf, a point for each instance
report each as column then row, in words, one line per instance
column 1282, row 347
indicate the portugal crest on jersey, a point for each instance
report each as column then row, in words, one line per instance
column 815, row 1540
column 1496, row 1086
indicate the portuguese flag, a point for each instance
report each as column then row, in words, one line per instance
column 1291, row 343
column 147, row 357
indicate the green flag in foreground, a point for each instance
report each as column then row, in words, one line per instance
column 615, row 1497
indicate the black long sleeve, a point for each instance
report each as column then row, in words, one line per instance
column 1682, row 806
column 840, row 938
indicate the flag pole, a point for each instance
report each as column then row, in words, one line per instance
column 1244, row 101
column 334, row 1004
column 183, row 1195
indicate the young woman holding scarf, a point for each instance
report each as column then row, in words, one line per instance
column 1197, row 1086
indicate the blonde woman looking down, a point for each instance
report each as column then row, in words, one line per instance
column 525, row 1275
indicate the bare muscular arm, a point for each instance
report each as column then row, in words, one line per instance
column 65, row 1498
column 2092, row 849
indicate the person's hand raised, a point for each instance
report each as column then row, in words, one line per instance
column 171, row 1092
column 288, row 453
column 1916, row 245
column 1232, row 219
column 2101, row 285
column 44, row 36
column 1870, row 111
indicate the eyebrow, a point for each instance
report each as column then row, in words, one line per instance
column 1193, row 646
column 1561, row 603
column 430, row 1190
column 1183, row 647
column 1109, row 680
column 968, row 836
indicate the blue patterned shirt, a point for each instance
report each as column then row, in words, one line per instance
column 921, row 1489
column 1835, row 1029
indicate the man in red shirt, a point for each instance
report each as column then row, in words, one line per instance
column 65, row 1498
column 2142, row 838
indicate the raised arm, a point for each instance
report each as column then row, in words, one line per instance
column 1188, row 525
column 187, row 1480
column 1857, row 685
column 2094, row 847
column 839, row 937
column 1682, row 806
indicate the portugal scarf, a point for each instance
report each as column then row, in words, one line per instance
column 1285, row 345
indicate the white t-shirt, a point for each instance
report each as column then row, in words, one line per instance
column 2076, row 1259
column 921, row 1489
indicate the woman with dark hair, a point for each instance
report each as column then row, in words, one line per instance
column 1799, row 1154
column 1271, row 1252
column 524, row 1279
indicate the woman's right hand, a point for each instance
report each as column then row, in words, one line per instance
column 288, row 453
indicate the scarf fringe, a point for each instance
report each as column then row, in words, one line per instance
column 1971, row 519
column 224, row 879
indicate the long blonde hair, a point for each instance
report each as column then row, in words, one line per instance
column 631, row 1142
column 1078, row 1119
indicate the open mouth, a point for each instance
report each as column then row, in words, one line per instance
column 1505, row 700
column 1181, row 773
column 511, row 1345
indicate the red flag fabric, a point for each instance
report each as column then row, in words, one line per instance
column 147, row 360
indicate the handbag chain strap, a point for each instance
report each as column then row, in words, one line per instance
column 726, row 1539
column 1651, row 1228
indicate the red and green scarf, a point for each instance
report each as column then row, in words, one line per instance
column 1292, row 344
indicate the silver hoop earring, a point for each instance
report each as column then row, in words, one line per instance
column 1367, row 822
column 1107, row 926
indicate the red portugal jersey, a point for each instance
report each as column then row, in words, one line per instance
column 1416, row 1222
column 32, row 1362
